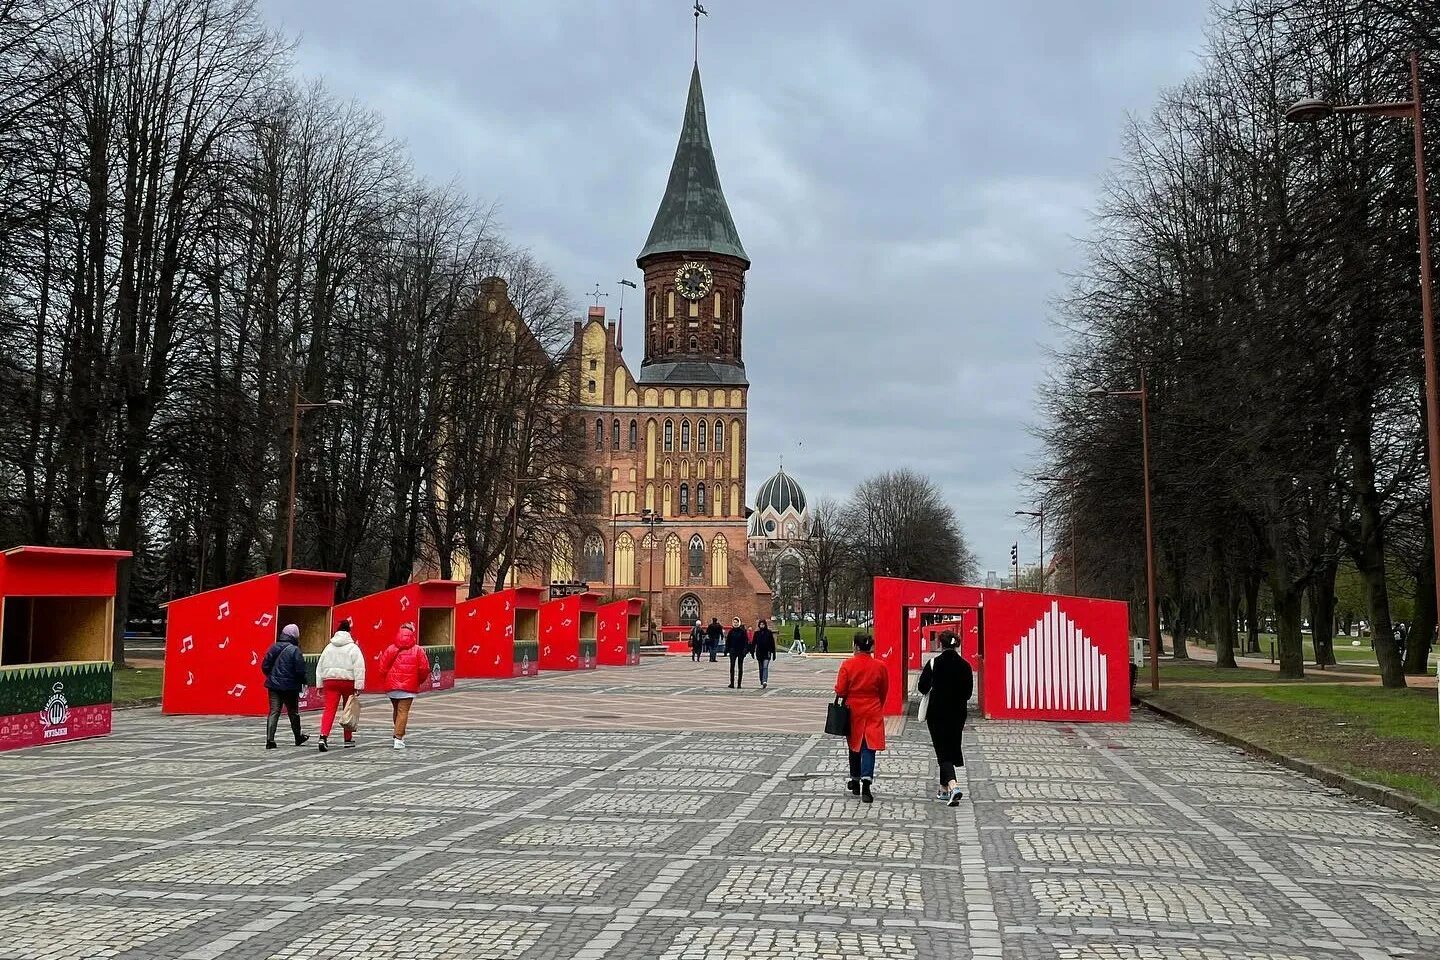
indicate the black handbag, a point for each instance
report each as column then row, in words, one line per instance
column 837, row 719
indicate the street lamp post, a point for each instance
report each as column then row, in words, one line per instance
column 298, row 405
column 1074, row 544
column 1143, row 395
column 1039, row 515
column 1313, row 110
column 650, row 519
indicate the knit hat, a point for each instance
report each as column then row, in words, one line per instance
column 291, row 631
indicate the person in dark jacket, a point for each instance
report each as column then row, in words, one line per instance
column 284, row 669
column 737, row 644
column 712, row 637
column 697, row 640
column 949, row 681
column 763, row 643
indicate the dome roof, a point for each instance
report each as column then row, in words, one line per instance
column 780, row 493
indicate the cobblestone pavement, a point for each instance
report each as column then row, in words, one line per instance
column 181, row 838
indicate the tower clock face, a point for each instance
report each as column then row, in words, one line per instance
column 694, row 280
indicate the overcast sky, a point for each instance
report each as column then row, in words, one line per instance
column 909, row 190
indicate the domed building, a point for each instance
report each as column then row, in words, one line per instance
column 779, row 523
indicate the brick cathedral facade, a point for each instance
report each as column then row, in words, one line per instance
column 670, row 439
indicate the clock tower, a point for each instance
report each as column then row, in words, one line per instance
column 694, row 268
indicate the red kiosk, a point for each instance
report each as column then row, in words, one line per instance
column 1041, row 656
column 214, row 640
column 57, row 618
column 428, row 606
column 498, row 635
column 618, row 633
column 568, row 632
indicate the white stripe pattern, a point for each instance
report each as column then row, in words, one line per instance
column 1056, row 667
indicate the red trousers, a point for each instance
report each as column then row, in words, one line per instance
column 335, row 691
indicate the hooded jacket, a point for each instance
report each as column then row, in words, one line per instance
column 404, row 665
column 284, row 665
column 341, row 660
column 763, row 643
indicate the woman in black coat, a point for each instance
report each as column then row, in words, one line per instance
column 949, row 681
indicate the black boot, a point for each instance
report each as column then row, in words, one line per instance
column 865, row 795
column 323, row 745
column 853, row 786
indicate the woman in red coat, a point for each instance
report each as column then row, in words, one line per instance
column 404, row 668
column 862, row 684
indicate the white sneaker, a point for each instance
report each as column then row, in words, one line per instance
column 399, row 744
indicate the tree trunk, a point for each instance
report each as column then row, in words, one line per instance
column 1252, row 614
column 1222, row 627
column 1288, row 636
column 1322, row 616
column 1422, row 631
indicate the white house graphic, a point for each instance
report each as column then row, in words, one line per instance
column 1056, row 667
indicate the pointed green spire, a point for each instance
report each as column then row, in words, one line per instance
column 693, row 217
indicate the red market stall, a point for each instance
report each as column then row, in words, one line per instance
column 568, row 631
column 618, row 633
column 214, row 641
column 57, row 619
column 428, row 606
column 498, row 635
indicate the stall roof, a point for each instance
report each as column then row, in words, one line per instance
column 59, row 571
column 302, row 579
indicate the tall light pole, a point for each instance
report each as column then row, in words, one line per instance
column 298, row 405
column 1143, row 394
column 650, row 519
column 1071, row 482
column 1312, row 111
column 1039, row 515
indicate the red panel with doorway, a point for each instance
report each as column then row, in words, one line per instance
column 567, row 632
column 428, row 607
column 498, row 635
column 618, row 633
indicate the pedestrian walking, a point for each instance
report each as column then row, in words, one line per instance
column 763, row 643
column 697, row 640
column 947, row 682
column 713, row 634
column 284, row 669
column 797, row 646
column 341, row 675
column 862, row 683
column 404, row 667
column 737, row 644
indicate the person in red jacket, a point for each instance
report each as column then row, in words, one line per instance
column 403, row 667
column 862, row 683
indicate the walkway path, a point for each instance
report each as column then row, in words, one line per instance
column 515, row 830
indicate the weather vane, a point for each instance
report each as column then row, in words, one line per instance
column 699, row 12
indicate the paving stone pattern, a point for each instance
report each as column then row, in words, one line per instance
column 591, row 816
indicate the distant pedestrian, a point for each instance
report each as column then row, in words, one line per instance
column 284, row 669
column 341, row 675
column 763, row 643
column 948, row 681
column 737, row 644
column 697, row 640
column 713, row 633
column 404, row 667
column 863, row 683
column 824, row 642
column 797, row 646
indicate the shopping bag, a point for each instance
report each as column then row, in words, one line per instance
column 924, row 707
column 837, row 719
column 350, row 713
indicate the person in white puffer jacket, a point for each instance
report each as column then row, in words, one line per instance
column 341, row 675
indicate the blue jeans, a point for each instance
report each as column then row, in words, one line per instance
column 862, row 763
column 764, row 671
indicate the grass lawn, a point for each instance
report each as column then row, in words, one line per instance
column 132, row 686
column 1390, row 737
column 1171, row 671
column 839, row 636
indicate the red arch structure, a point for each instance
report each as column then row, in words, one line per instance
column 1042, row 656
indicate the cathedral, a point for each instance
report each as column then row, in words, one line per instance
column 666, row 444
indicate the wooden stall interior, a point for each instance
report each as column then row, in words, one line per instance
column 588, row 625
column 55, row 630
column 314, row 624
column 527, row 626
column 437, row 627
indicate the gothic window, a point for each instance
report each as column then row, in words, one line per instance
column 694, row 344
column 689, row 608
column 670, row 436
column 685, row 435
column 685, row 498
column 700, row 499
column 592, row 367
column 615, row 435
column 702, row 434
column 672, row 561
column 719, row 436
column 719, row 562
column 697, row 557
column 634, row 435
column 599, row 434
column 670, row 344
column 590, row 385
column 592, row 558
column 561, row 560
column 625, row 560
column 789, row 529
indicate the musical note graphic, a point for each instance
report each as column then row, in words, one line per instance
column 570, row 659
column 472, row 613
column 265, row 620
column 497, row 659
column 378, row 624
column 547, row 650
column 566, row 622
column 189, row 678
column 237, row 690
column 187, row 644
column 930, row 599
column 224, row 643
column 510, row 630
column 475, row 648
column 224, row 611
column 404, row 603
column 254, row 658
column 507, row 606
column 488, row 625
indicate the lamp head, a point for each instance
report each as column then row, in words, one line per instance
column 1309, row 110
column 1097, row 392
column 334, row 403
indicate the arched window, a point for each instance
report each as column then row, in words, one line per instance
column 689, row 608
column 625, row 560
column 599, row 434
column 634, row 435
column 719, row 436
column 719, row 562
column 592, row 559
column 702, row 434
column 694, row 344
column 562, row 562
column 672, row 561
column 685, row 435
column 790, row 530
column 670, row 436
column 700, row 499
column 697, row 557
column 615, row 435
column 684, row 498
column 670, row 344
